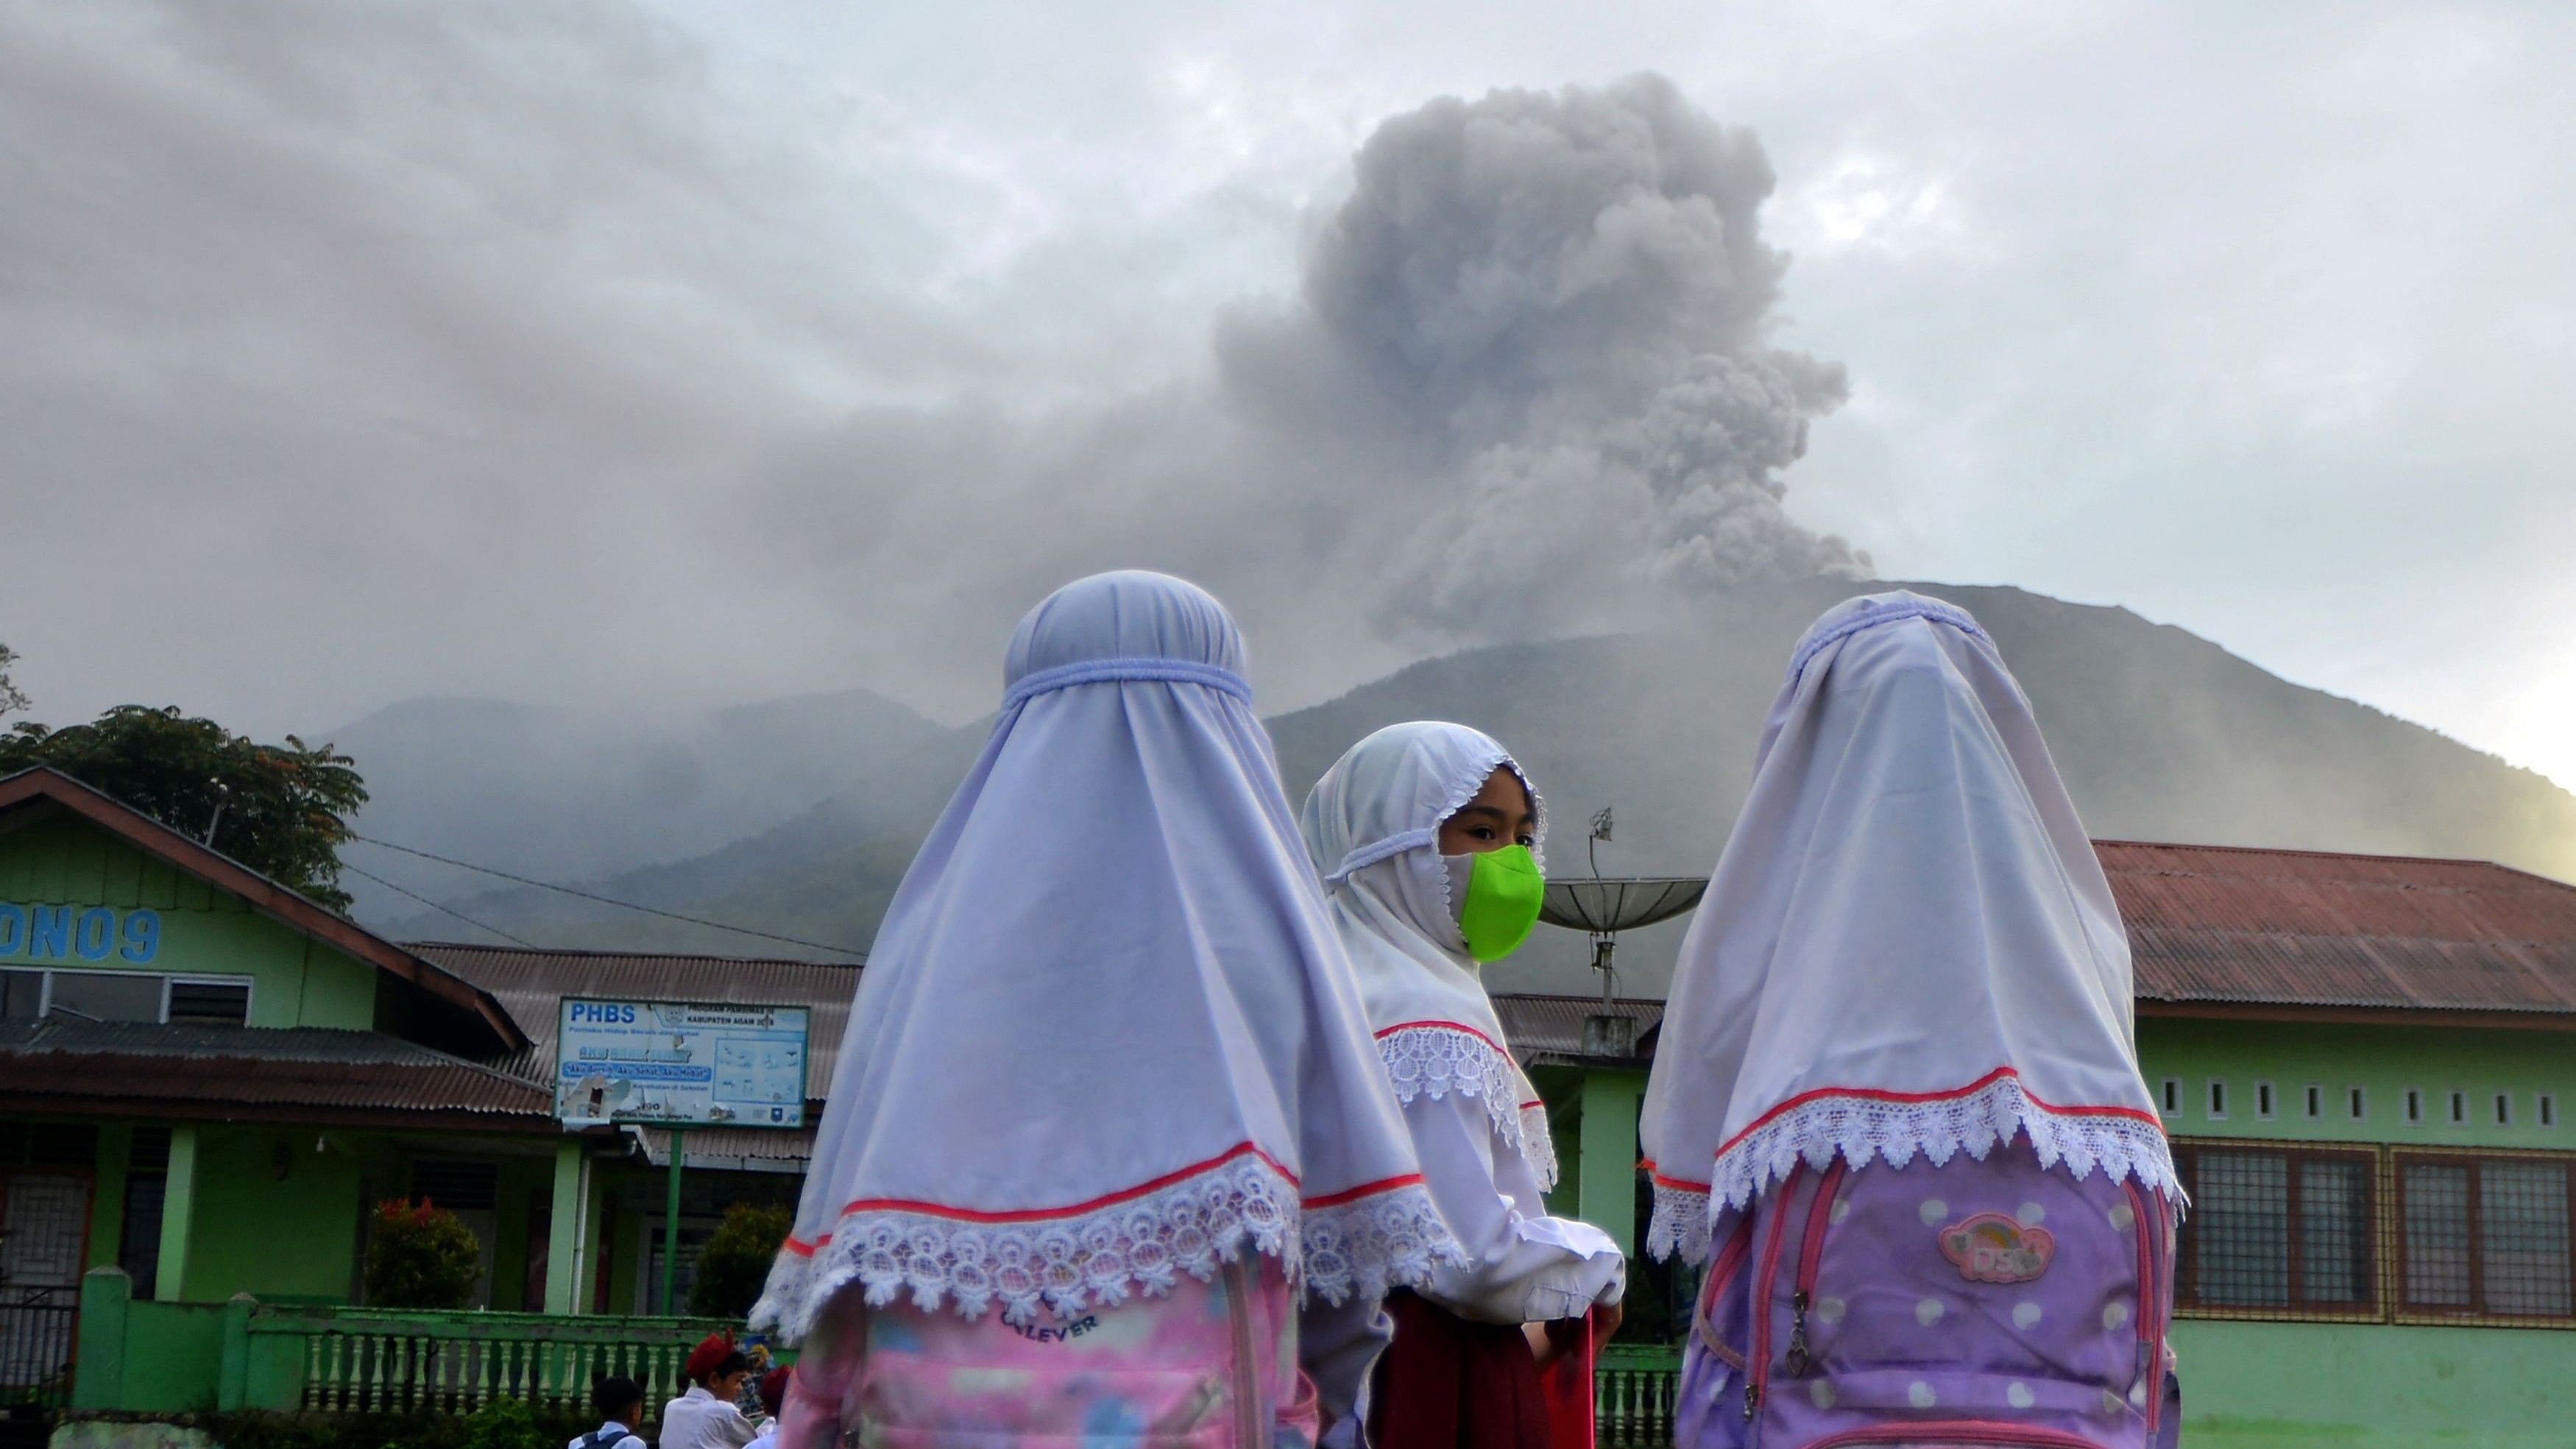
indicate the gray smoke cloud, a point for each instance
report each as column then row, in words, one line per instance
column 1527, row 386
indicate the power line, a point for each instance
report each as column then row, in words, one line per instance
column 545, row 885
column 435, row 906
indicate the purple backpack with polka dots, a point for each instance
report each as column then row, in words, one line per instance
column 1969, row 1303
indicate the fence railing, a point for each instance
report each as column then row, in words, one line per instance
column 146, row 1356
column 372, row 1361
column 36, row 1345
column 1634, row 1388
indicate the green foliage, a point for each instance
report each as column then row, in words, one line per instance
column 11, row 698
column 735, row 1262
column 421, row 1256
column 283, row 808
column 504, row 1424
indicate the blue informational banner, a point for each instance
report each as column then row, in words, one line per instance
column 680, row 1064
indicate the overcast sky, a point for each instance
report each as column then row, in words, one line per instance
column 693, row 353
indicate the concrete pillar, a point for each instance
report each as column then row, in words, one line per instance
column 98, row 1375
column 567, row 1229
column 178, row 1208
column 232, row 1371
column 1606, row 1172
column 107, row 1199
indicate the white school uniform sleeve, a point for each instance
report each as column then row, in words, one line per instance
column 1337, row 1346
column 1522, row 1265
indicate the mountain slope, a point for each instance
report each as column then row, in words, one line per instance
column 2161, row 735
column 563, row 795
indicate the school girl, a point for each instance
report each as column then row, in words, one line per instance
column 1108, row 1157
column 1427, row 836
column 1895, row 1106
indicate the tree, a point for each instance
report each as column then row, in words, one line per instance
column 11, row 698
column 421, row 1256
column 282, row 810
column 734, row 1264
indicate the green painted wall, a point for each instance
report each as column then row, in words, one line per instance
column 2384, row 1061
column 295, row 980
column 2325, row 1386
column 284, row 1239
column 173, row 1354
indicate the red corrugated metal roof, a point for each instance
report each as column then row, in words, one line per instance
column 530, row 983
column 244, row 1071
column 2222, row 924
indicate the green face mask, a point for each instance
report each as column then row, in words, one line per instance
column 1501, row 901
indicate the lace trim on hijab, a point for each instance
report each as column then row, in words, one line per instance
column 1875, row 614
column 1861, row 1128
column 1437, row 1058
column 1462, row 790
column 1384, row 1238
column 1116, row 671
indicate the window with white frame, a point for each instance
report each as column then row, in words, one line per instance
column 2172, row 1096
column 2217, row 1100
column 2356, row 1103
column 2414, row 1106
column 33, row 993
column 2264, row 1104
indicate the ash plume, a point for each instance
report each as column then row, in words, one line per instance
column 1526, row 387
column 1566, row 300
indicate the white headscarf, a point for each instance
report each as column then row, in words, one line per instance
column 1372, row 826
column 1108, row 1033
column 1909, row 945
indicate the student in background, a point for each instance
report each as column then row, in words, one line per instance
column 620, row 1401
column 1106, row 1113
column 708, row 1416
column 773, row 1397
column 1427, row 836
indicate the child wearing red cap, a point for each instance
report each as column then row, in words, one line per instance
column 706, row 1417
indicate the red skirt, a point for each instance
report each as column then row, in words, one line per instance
column 1448, row 1383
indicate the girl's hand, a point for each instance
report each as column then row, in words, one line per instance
column 1542, row 1344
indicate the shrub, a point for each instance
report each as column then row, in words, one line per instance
column 735, row 1261
column 504, row 1424
column 421, row 1257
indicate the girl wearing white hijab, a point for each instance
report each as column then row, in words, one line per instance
column 1426, row 835
column 1107, row 1108
column 1898, row 1042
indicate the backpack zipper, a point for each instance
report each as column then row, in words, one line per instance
column 1758, row 1372
column 1721, row 1275
column 1247, row 1383
column 2150, row 1229
column 1811, row 1253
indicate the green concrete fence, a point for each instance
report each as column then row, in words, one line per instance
column 148, row 1357
column 180, row 1357
column 1633, row 1391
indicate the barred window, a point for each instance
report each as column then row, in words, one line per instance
column 2486, row 1236
column 2285, row 1231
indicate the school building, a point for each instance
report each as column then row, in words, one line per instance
column 207, row 1081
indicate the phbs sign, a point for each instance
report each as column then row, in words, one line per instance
column 688, row 1064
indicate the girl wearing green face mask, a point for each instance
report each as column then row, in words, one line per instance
column 1428, row 836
